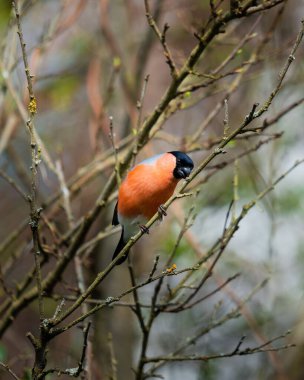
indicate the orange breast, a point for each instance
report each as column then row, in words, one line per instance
column 146, row 187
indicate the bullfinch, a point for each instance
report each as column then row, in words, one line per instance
column 146, row 187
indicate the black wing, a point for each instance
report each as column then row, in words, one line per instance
column 115, row 220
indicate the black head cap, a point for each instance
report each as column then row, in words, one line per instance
column 184, row 165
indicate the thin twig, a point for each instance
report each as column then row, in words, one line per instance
column 35, row 153
column 137, row 308
column 283, row 72
column 65, row 194
column 246, row 351
column 115, row 150
column 113, row 375
column 226, row 119
column 110, row 300
column 8, row 370
column 13, row 183
column 74, row 372
column 162, row 38
column 213, row 324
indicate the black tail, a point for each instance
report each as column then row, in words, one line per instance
column 119, row 247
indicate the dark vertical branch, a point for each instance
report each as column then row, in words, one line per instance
column 35, row 153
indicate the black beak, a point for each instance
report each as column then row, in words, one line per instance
column 185, row 172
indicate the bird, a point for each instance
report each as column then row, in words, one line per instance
column 147, row 186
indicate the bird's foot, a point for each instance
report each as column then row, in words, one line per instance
column 144, row 229
column 161, row 212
